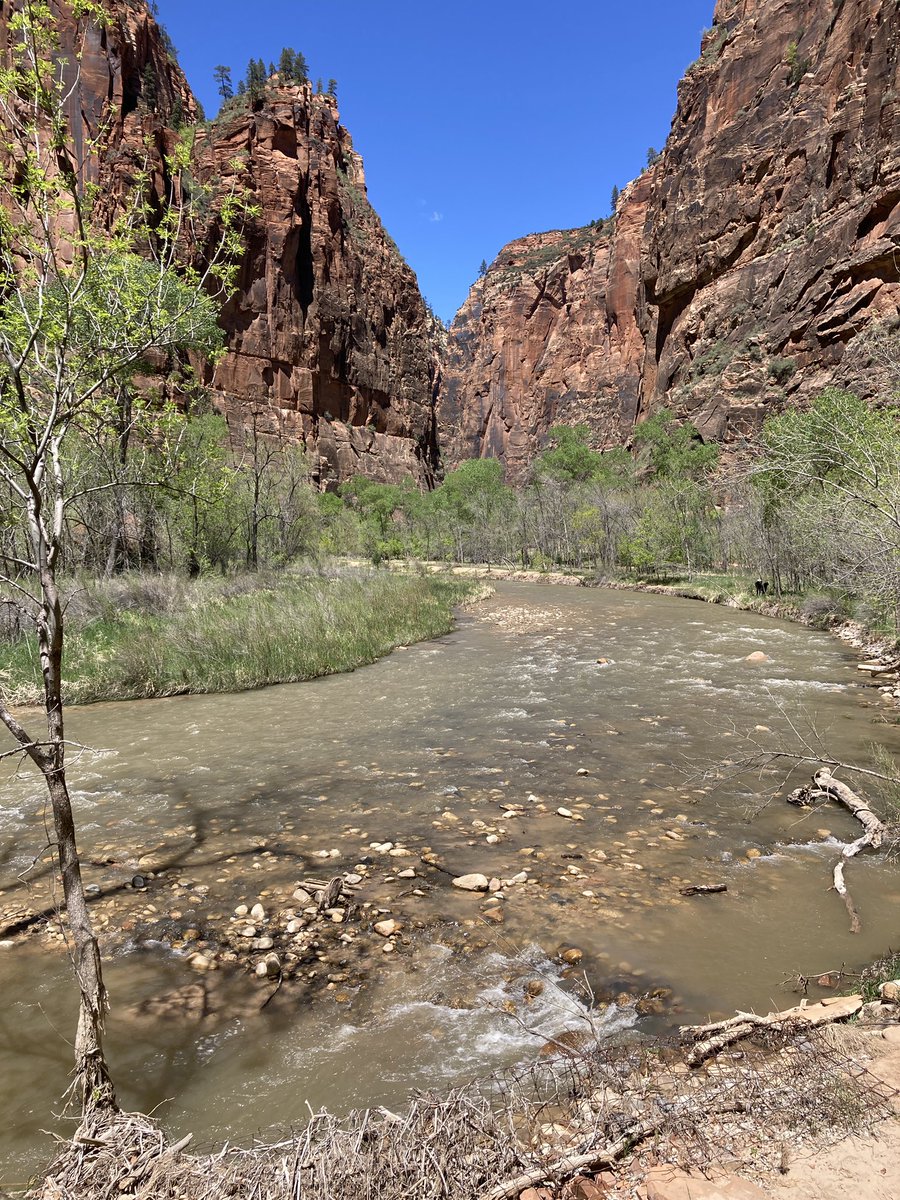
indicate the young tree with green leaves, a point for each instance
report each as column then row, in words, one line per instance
column 84, row 305
column 836, row 465
column 570, row 460
column 670, row 449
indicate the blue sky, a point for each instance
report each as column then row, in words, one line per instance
column 479, row 120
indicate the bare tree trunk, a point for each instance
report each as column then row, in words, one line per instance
column 90, row 1063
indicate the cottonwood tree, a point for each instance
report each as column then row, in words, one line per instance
column 82, row 309
column 837, row 466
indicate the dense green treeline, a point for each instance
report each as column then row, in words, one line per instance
column 817, row 512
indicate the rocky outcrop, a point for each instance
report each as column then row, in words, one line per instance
column 739, row 268
column 328, row 337
column 549, row 336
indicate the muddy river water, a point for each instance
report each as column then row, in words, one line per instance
column 463, row 750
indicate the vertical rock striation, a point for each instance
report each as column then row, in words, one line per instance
column 739, row 267
column 328, row 338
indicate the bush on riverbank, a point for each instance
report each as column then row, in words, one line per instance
column 143, row 635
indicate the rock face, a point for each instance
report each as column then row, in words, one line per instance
column 328, row 337
column 740, row 267
column 127, row 98
column 329, row 341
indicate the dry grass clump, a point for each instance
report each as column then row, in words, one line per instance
column 634, row 1104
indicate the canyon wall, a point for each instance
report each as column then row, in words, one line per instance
column 738, row 268
column 328, row 340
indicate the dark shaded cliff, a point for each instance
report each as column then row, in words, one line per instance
column 739, row 267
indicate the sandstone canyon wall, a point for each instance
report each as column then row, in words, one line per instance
column 328, row 339
column 738, row 268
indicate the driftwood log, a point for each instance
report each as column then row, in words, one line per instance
column 593, row 1160
column 719, row 1034
column 703, row 889
column 826, row 787
column 879, row 668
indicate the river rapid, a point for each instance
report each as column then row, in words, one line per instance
column 622, row 709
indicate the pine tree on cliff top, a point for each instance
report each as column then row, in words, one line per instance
column 222, row 76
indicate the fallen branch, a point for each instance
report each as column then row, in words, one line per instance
column 874, row 668
column 725, row 1033
column 825, row 786
column 593, row 1160
column 703, row 889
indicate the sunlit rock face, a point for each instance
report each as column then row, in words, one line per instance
column 740, row 267
column 328, row 340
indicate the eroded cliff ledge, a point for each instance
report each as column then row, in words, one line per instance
column 739, row 266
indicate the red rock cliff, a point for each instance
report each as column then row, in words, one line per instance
column 740, row 267
column 328, row 337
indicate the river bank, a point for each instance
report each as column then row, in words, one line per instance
column 805, row 1107
column 144, row 636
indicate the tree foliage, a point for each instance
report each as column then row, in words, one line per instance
column 86, row 304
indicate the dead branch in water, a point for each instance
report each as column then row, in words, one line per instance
column 826, row 787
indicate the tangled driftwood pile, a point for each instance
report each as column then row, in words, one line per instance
column 632, row 1105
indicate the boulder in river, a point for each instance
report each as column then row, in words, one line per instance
column 472, row 883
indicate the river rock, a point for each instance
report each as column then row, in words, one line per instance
column 472, row 883
column 572, row 956
column 301, row 895
column 387, row 928
column 257, row 913
column 890, row 992
column 409, row 873
column 757, row 657
column 273, row 965
column 670, row 1183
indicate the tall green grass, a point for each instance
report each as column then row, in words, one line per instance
column 281, row 630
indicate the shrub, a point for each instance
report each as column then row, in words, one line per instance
column 781, row 369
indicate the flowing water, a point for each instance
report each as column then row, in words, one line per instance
column 431, row 749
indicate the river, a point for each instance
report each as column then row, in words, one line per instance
column 431, row 750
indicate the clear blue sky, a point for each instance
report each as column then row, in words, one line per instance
column 478, row 120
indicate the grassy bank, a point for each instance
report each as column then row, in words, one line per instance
column 144, row 636
column 817, row 608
